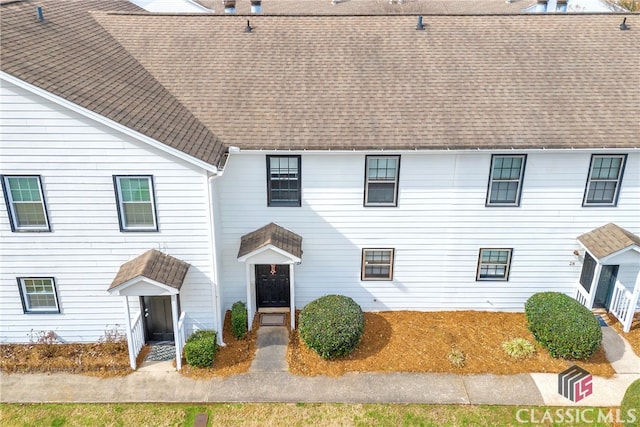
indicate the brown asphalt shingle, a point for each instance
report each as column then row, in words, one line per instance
column 153, row 265
column 271, row 234
column 71, row 56
column 608, row 239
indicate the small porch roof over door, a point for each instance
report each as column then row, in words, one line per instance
column 271, row 238
column 152, row 273
column 609, row 241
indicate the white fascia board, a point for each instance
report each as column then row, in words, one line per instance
column 107, row 122
column 610, row 257
column 142, row 279
column 294, row 259
column 392, row 151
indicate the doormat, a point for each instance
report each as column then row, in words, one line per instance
column 272, row 319
column 602, row 322
column 161, row 353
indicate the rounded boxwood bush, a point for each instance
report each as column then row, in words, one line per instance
column 331, row 325
column 239, row 319
column 562, row 325
column 200, row 348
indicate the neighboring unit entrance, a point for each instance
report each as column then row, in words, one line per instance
column 158, row 322
column 606, row 284
column 272, row 285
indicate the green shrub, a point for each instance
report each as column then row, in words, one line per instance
column 631, row 400
column 239, row 319
column 518, row 348
column 562, row 325
column 456, row 357
column 331, row 325
column 201, row 348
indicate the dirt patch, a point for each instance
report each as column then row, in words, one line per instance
column 97, row 359
column 234, row 358
column 633, row 336
column 409, row 341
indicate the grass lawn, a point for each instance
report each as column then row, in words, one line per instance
column 265, row 414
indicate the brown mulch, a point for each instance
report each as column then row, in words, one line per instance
column 409, row 341
column 96, row 359
column 633, row 336
column 234, row 358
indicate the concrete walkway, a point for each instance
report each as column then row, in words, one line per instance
column 269, row 381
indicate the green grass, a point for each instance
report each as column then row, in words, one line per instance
column 631, row 400
column 265, row 414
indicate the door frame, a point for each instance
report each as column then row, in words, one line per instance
column 170, row 319
column 288, row 285
column 610, row 285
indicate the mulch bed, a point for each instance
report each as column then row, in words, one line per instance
column 633, row 336
column 409, row 341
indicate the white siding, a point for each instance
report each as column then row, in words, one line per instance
column 437, row 229
column 76, row 159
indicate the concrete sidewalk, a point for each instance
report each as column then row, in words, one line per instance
column 269, row 381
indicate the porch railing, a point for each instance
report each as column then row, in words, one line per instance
column 582, row 296
column 180, row 340
column 137, row 336
column 623, row 304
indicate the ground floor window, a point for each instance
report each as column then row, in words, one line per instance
column 494, row 264
column 38, row 295
column 377, row 264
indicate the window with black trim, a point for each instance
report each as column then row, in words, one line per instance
column 381, row 180
column 25, row 203
column 283, row 181
column 494, row 264
column 505, row 180
column 136, row 202
column 377, row 264
column 38, row 294
column 603, row 182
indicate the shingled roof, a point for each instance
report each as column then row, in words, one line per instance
column 271, row 234
column 338, row 82
column 153, row 265
column 71, row 56
column 608, row 239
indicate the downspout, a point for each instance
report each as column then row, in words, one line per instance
column 214, row 258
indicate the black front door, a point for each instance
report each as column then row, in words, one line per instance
column 606, row 284
column 272, row 285
column 158, row 322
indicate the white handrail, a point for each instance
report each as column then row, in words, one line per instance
column 137, row 335
column 180, row 340
column 621, row 305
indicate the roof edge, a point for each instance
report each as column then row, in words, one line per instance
column 107, row 122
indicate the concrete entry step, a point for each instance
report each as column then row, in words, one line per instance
column 271, row 355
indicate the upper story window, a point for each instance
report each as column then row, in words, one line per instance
column 136, row 203
column 38, row 295
column 494, row 264
column 505, row 180
column 603, row 183
column 25, row 203
column 283, row 181
column 377, row 264
column 381, row 180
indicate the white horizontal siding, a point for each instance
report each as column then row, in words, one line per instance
column 437, row 229
column 76, row 159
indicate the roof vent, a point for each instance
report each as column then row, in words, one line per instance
column 624, row 25
column 40, row 14
column 256, row 6
column 419, row 27
column 229, row 6
column 248, row 28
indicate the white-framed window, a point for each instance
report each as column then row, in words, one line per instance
column 38, row 294
column 25, row 202
column 381, row 180
column 603, row 182
column 494, row 264
column 505, row 180
column 377, row 264
column 283, row 181
column 136, row 202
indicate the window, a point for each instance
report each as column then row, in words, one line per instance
column 505, row 180
column 493, row 264
column 603, row 183
column 38, row 295
column 377, row 264
column 283, row 181
column 381, row 180
column 136, row 205
column 25, row 203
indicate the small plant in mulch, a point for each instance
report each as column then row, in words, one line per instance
column 201, row 348
column 114, row 340
column 456, row 357
column 239, row 319
column 47, row 342
column 518, row 348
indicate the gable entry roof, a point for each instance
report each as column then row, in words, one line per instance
column 608, row 240
column 271, row 235
column 153, row 265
